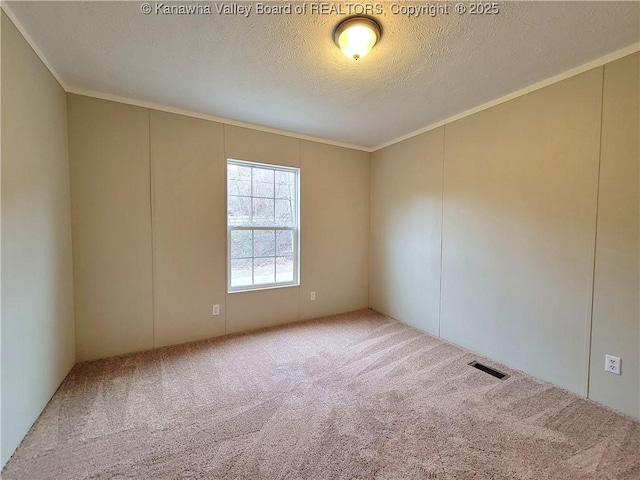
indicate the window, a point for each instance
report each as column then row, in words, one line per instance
column 262, row 225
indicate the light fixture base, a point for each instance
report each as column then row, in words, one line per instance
column 356, row 22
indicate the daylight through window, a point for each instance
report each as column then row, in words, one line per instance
column 262, row 224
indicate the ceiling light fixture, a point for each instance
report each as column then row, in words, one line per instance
column 356, row 36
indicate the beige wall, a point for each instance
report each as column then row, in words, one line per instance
column 520, row 186
column 520, row 195
column 616, row 309
column 261, row 308
column 247, row 144
column 406, row 222
column 37, row 295
column 158, row 181
column 111, row 219
column 335, row 230
column 189, row 228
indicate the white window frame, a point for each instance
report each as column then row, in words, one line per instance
column 295, row 229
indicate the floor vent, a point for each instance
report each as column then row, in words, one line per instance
column 489, row 370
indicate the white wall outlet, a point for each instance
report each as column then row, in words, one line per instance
column 612, row 364
column 313, row 296
column 216, row 310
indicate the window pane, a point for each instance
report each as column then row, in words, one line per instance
column 262, row 182
column 238, row 180
column 239, row 210
column 264, row 243
column 264, row 270
column 263, row 211
column 241, row 272
column 284, row 243
column 284, row 213
column 241, row 243
column 284, row 269
column 285, row 185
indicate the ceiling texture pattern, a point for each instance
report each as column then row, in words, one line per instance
column 283, row 71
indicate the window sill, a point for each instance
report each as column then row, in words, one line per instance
column 268, row 287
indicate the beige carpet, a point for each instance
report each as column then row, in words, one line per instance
column 350, row 396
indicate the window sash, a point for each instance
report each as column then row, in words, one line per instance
column 261, row 286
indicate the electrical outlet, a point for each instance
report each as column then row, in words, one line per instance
column 612, row 364
column 313, row 296
column 216, row 310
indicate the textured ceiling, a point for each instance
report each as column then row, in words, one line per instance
column 285, row 72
